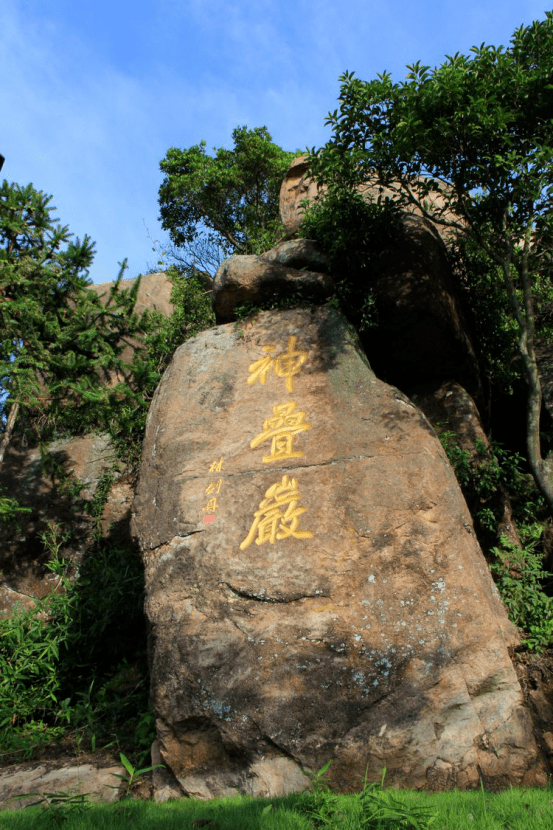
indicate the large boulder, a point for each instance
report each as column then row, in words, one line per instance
column 314, row 589
column 244, row 279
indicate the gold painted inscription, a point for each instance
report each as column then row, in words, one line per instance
column 285, row 365
column 278, row 515
column 286, row 423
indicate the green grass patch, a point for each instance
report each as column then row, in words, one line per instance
column 514, row 809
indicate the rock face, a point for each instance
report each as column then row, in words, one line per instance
column 20, row 779
column 314, row 589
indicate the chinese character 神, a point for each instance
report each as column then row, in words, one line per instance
column 278, row 515
column 285, row 365
column 281, row 429
column 217, row 466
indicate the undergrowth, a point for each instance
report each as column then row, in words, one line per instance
column 491, row 477
column 74, row 666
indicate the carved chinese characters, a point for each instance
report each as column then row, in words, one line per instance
column 278, row 514
column 285, row 365
column 282, row 429
column 213, row 487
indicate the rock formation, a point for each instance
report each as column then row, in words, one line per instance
column 314, row 587
column 422, row 336
column 251, row 279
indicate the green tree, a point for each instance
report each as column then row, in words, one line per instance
column 60, row 345
column 214, row 206
column 470, row 145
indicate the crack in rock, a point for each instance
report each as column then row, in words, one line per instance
column 260, row 596
column 193, row 476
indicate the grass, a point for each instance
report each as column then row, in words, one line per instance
column 515, row 809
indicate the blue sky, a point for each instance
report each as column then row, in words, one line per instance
column 93, row 94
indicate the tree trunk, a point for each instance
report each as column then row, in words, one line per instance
column 12, row 417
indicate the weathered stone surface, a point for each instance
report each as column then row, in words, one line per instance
column 295, row 188
column 314, row 587
column 450, row 408
column 19, row 779
column 251, row 279
column 298, row 253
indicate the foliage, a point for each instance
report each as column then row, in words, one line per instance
column 76, row 663
column 192, row 314
column 319, row 803
column 77, row 659
column 376, row 807
column 58, row 808
column 515, row 807
column 354, row 233
column 520, row 578
column 226, row 203
column 11, row 511
column 61, row 345
column 487, row 477
column 470, row 145
column 486, row 303
column 132, row 775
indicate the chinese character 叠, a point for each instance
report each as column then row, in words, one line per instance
column 271, row 521
column 282, row 429
column 285, row 365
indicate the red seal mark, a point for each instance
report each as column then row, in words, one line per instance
column 209, row 517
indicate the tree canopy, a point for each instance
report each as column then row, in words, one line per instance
column 60, row 344
column 217, row 205
column 470, row 144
